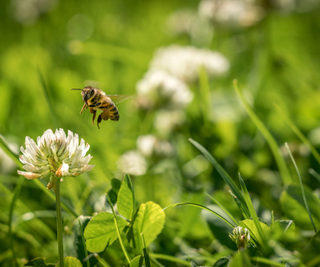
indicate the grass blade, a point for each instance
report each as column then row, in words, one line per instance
column 235, row 190
column 267, row 261
column 267, row 135
column 15, row 197
column 201, row 207
column 169, row 258
column 9, row 152
column 223, row 208
column 302, row 189
column 299, row 133
column 84, row 243
column 314, row 174
column 205, row 93
column 252, row 211
column 101, row 260
column 46, row 94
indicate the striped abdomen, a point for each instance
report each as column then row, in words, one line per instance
column 113, row 111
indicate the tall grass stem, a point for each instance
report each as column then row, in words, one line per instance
column 302, row 189
column 298, row 133
column 267, row 135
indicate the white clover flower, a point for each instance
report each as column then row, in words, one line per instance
column 241, row 236
column 56, row 154
column 185, row 62
column 159, row 88
column 166, row 121
column 132, row 162
column 188, row 22
column 150, row 145
column 231, row 12
column 28, row 11
column 180, row 22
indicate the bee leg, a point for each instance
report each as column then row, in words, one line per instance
column 94, row 115
column 99, row 120
column 84, row 106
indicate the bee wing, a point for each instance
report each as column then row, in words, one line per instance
column 119, row 98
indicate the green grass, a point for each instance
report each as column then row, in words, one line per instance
column 231, row 130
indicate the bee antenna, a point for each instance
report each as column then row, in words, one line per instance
column 76, row 89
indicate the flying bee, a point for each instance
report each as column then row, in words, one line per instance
column 95, row 99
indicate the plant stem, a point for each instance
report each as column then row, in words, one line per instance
column 59, row 223
column 118, row 233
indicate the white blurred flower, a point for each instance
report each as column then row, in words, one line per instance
column 284, row 5
column 150, row 145
column 165, row 121
column 231, row 12
column 132, row 162
column 7, row 165
column 56, row 154
column 28, row 11
column 158, row 88
column 188, row 22
column 185, row 62
column 180, row 22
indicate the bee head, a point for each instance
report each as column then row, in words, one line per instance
column 87, row 93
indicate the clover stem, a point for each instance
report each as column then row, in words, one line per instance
column 59, row 223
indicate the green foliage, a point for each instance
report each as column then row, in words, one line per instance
column 148, row 220
column 125, row 198
column 223, row 262
column 257, row 233
column 218, row 227
column 101, row 231
column 79, row 241
column 224, row 175
column 240, row 259
column 136, row 261
column 38, row 262
column 292, row 203
column 52, row 46
column 70, row 262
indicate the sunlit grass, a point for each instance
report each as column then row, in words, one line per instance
column 273, row 58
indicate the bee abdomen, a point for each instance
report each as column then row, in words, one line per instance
column 113, row 110
column 114, row 114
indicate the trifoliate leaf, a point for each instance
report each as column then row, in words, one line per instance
column 148, row 220
column 101, row 231
column 125, row 198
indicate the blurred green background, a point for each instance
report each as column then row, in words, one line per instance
column 70, row 43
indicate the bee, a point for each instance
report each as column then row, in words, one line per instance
column 95, row 99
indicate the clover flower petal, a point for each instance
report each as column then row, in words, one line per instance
column 55, row 154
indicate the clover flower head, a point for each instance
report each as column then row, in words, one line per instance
column 184, row 62
column 28, row 11
column 231, row 12
column 132, row 162
column 158, row 88
column 241, row 236
column 55, row 154
column 150, row 145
